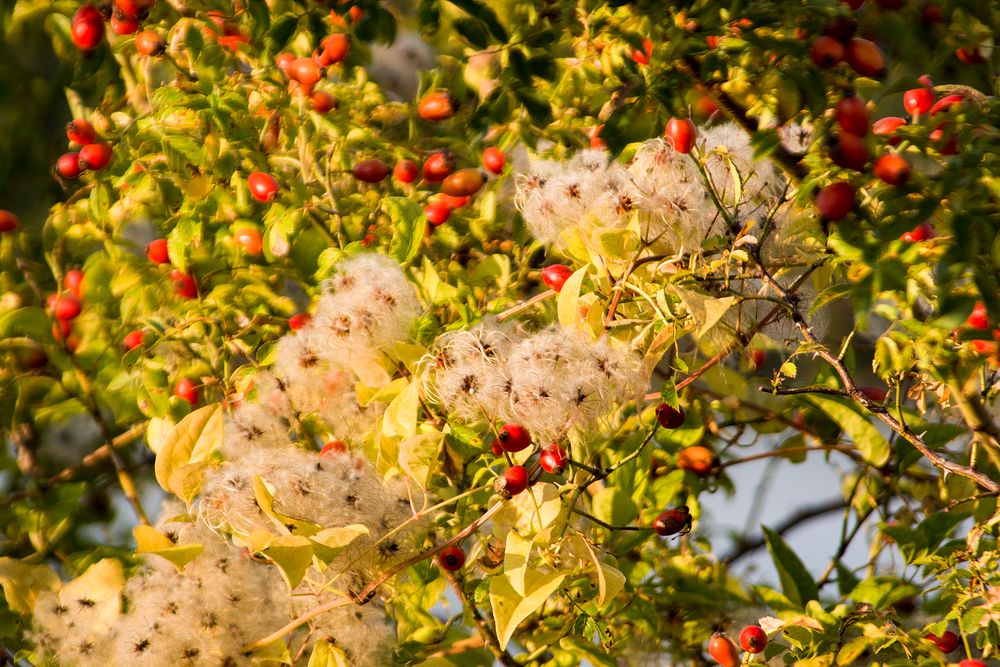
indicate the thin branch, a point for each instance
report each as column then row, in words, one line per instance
column 785, row 451
column 791, row 391
column 852, row 390
column 604, row 524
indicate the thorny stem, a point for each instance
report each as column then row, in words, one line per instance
column 852, row 390
column 369, row 591
column 485, row 630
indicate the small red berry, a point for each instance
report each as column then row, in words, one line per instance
column 918, row 101
column 681, row 134
column 263, row 187
column 187, row 390
column 946, row 103
column 513, row 438
column 673, row 521
column 125, row 25
column 80, row 131
column 133, row 339
column 406, row 171
column 553, row 459
column 865, row 57
column 95, row 156
column 643, row 57
column 438, row 166
column 496, row 449
column 753, row 639
column 306, row 71
column 370, row 171
column 556, row 275
column 835, row 201
column 436, row 106
column 921, row 232
column 970, row 662
column 758, row 358
column 513, row 482
column 184, row 284
column 979, row 319
column 668, row 416
column 334, row 447
column 323, row 101
column 437, row 213
column 698, row 459
column 463, row 183
column 826, row 51
column 335, row 48
column 284, row 62
column 8, row 221
column 849, row 151
column 723, row 650
column 494, row 159
column 892, row 168
column 67, row 307
column 72, row 281
column 156, row 251
column 886, row 127
column 68, row 166
column 970, row 55
column 852, row 115
column 451, row 558
column 298, row 321
column 149, row 43
column 947, row 642
column 250, row 239
column 87, row 27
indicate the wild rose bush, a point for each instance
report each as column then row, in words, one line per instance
column 415, row 335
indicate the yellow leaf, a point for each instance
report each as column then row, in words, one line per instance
column 704, row 309
column 148, row 540
column 515, row 560
column 569, row 301
column 331, row 542
column 101, row 586
column 186, row 444
column 264, row 494
column 511, row 609
column 418, row 455
column 156, row 432
column 384, row 394
column 325, row 654
column 293, row 555
column 22, row 582
column 400, row 418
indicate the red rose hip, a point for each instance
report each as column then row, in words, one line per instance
column 513, row 438
column 753, row 639
column 556, row 275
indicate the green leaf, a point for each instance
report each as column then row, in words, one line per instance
column 796, row 582
column 883, row 591
column 511, row 609
column 856, row 424
column 331, row 542
column 408, row 227
column 473, row 31
column 292, row 554
column 613, row 506
column 149, row 540
column 182, row 452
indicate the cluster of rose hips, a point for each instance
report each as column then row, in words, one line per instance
column 838, row 44
column 87, row 26
column 724, row 650
column 979, row 320
column 185, row 285
column 304, row 73
column 93, row 155
column 65, row 306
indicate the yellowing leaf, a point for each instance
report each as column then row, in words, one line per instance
column 367, row 394
column 292, row 554
column 264, row 494
column 331, row 542
column 613, row 242
column 22, row 582
column 569, row 301
column 511, row 609
column 400, row 418
column 185, row 448
column 149, row 540
column 515, row 560
column 325, row 654
column 418, row 455
column 704, row 309
column 156, row 432
column 101, row 587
